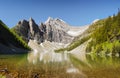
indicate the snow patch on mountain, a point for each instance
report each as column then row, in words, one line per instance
column 75, row 31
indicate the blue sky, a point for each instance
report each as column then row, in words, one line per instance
column 74, row 12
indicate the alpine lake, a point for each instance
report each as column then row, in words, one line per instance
column 58, row 65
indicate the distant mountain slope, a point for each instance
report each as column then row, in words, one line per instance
column 10, row 43
column 53, row 30
column 56, row 31
column 84, row 36
column 103, row 37
column 106, row 39
column 77, row 30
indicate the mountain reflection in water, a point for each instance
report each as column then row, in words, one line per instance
column 47, row 57
column 56, row 65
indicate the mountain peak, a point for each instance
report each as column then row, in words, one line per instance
column 22, row 22
column 31, row 19
column 58, row 19
column 94, row 21
column 49, row 19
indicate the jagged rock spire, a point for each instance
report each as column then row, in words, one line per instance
column 54, row 30
column 49, row 19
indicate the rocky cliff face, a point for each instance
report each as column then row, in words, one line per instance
column 27, row 30
column 34, row 31
column 56, row 30
column 22, row 29
column 53, row 30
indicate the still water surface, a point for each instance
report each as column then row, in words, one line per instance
column 58, row 65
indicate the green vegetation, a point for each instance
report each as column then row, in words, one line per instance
column 8, row 37
column 95, row 26
column 60, row 50
column 106, row 39
column 77, row 43
column 21, row 31
column 79, row 63
column 73, row 45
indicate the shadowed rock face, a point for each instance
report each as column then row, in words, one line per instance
column 28, row 30
column 34, row 30
column 53, row 30
column 22, row 29
column 56, row 30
